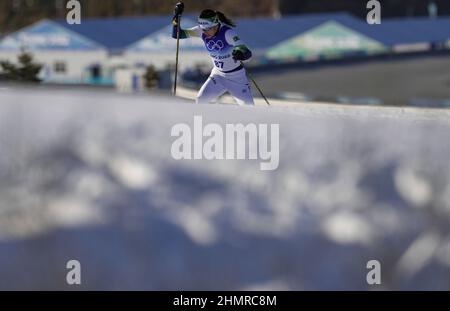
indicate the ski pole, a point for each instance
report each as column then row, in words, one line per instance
column 178, row 51
column 256, row 85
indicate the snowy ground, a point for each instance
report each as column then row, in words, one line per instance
column 88, row 175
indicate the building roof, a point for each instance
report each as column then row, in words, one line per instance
column 118, row 33
column 259, row 33
column 121, row 32
column 409, row 30
column 263, row 33
column 47, row 35
column 327, row 40
column 161, row 40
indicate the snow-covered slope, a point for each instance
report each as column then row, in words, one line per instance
column 88, row 175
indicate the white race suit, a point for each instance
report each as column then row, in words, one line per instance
column 228, row 74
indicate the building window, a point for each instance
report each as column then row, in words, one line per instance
column 60, row 67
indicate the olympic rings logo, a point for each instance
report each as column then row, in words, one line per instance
column 215, row 45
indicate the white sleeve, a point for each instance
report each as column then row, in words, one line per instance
column 194, row 31
column 232, row 38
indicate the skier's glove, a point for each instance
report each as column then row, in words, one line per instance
column 238, row 55
column 179, row 9
column 241, row 53
column 175, row 21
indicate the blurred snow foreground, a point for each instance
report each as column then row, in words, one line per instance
column 88, row 176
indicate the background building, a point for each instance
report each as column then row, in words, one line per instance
column 66, row 56
column 93, row 51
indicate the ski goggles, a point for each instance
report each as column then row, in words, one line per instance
column 208, row 24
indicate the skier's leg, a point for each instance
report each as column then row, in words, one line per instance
column 239, row 87
column 211, row 90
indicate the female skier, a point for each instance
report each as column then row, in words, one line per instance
column 227, row 52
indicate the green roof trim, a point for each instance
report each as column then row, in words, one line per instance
column 328, row 40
